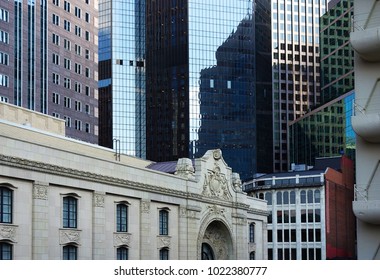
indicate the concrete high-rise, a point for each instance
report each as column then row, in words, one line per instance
column 48, row 57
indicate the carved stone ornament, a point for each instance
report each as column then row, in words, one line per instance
column 69, row 236
column 99, row 200
column 217, row 154
column 217, row 239
column 236, row 182
column 216, row 185
column 145, row 207
column 217, row 211
column 163, row 241
column 8, row 232
column 185, row 168
column 40, row 190
column 122, row 239
column 251, row 247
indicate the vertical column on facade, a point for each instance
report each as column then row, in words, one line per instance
column 240, row 236
column 40, row 221
column 98, row 222
column 193, row 227
column 323, row 223
column 146, row 245
column 183, row 233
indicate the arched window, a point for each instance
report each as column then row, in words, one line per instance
column 164, row 253
column 6, row 201
column 164, row 222
column 5, row 251
column 122, row 253
column 279, row 198
column 252, row 232
column 268, row 197
column 70, row 206
column 303, row 196
column 70, row 252
column 121, row 218
column 252, row 255
column 317, row 196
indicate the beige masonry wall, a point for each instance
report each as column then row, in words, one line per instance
column 205, row 205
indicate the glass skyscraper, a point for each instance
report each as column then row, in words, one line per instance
column 327, row 130
column 178, row 77
column 296, row 67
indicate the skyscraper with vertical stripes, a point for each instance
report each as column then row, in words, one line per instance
column 48, row 59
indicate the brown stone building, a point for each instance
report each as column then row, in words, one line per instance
column 48, row 61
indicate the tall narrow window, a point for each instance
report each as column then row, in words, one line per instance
column 252, row 256
column 164, row 222
column 70, row 252
column 252, row 232
column 70, row 212
column 164, row 254
column 5, row 251
column 122, row 253
column 122, row 218
column 5, row 205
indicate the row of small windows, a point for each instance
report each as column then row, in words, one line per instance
column 56, row 59
column 289, row 197
column 56, row 78
column 70, row 220
column 291, row 254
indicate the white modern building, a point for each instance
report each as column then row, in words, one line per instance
column 310, row 211
column 366, row 123
column 65, row 199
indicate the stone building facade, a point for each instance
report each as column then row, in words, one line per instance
column 66, row 199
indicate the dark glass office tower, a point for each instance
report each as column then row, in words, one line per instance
column 327, row 131
column 155, row 59
column 227, row 101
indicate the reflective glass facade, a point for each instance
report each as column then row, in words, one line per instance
column 296, row 67
column 177, row 78
column 122, row 75
column 337, row 55
column 327, row 131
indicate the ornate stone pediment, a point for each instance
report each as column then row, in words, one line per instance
column 216, row 184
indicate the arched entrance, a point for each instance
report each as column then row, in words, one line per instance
column 216, row 242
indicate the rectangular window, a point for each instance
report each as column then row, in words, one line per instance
column 4, row 15
column 67, row 44
column 70, row 252
column 87, row 54
column 67, row 63
column 78, row 87
column 121, row 218
column 67, row 25
column 56, row 98
column 122, row 253
column 87, row 73
column 88, row 128
column 56, row 79
column 78, row 125
column 55, row 39
column 68, row 121
column 4, row 99
column 87, row 35
column 78, row 31
column 66, row 6
column 164, row 254
column 6, row 199
column 77, row 12
column 67, row 83
column 4, row 80
column 6, row 251
column 4, row 37
column 163, row 222
column 78, row 68
column 78, row 106
column 87, row 17
column 70, row 212
column 55, row 58
column 55, row 19
column 67, row 102
column 77, row 49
